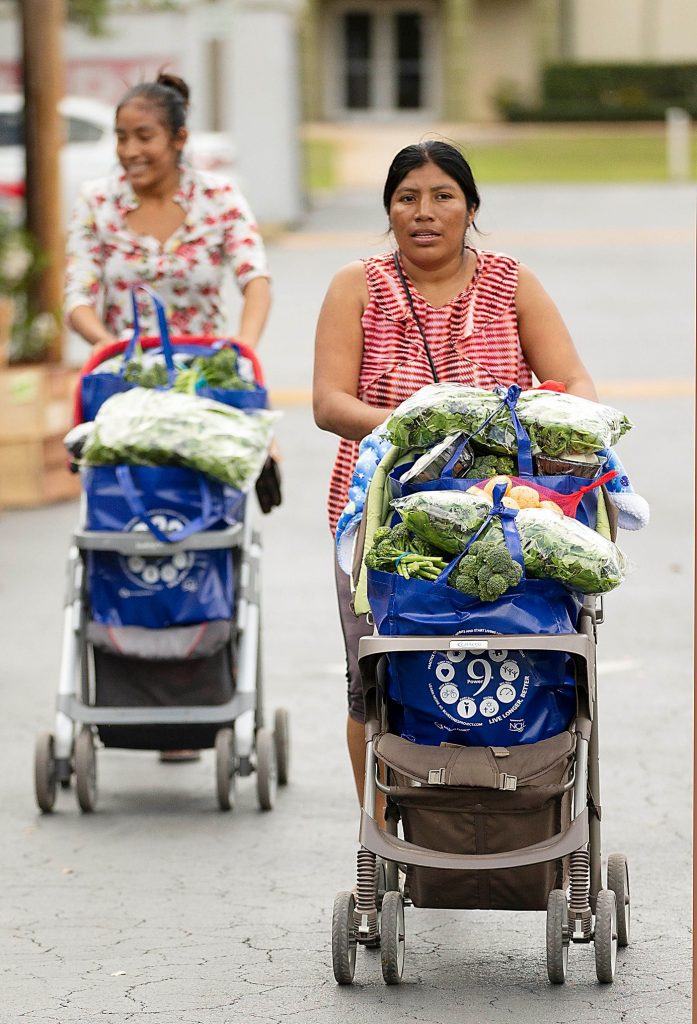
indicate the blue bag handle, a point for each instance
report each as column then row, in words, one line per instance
column 510, row 533
column 135, row 503
column 509, row 398
column 163, row 329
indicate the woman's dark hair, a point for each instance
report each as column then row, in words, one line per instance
column 443, row 155
column 169, row 93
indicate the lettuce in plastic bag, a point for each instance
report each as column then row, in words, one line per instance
column 554, row 547
column 166, row 428
column 556, row 423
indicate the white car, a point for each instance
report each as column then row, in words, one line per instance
column 88, row 150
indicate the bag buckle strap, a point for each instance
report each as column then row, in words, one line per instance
column 508, row 782
column 435, row 776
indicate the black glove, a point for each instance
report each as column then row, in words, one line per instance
column 268, row 485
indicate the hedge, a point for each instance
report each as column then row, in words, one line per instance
column 609, row 92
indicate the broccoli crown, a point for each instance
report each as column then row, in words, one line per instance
column 401, row 538
column 382, row 533
column 487, row 571
column 371, row 559
column 490, row 465
column 495, row 586
column 466, row 584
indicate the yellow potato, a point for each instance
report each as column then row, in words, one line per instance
column 477, row 492
column 509, row 502
column 552, row 506
column 527, row 497
column 491, row 483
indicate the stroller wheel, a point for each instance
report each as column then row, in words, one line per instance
column 344, row 938
column 281, row 736
column 605, row 937
column 85, row 770
column 557, row 936
column 618, row 881
column 45, row 775
column 392, row 938
column 225, row 768
column 267, row 774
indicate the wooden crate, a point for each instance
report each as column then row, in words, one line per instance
column 35, row 473
column 35, row 401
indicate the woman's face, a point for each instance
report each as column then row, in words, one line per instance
column 429, row 215
column 145, row 147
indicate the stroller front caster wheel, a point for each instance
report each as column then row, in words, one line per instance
column 225, row 768
column 557, row 936
column 618, row 881
column 392, row 938
column 605, row 937
column 267, row 773
column 85, row 770
column 45, row 773
column 344, row 938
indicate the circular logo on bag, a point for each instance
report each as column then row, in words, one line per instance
column 475, row 688
column 157, row 573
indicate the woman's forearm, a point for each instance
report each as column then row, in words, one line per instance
column 84, row 320
column 347, row 416
column 255, row 309
column 583, row 387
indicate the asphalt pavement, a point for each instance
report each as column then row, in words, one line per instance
column 158, row 908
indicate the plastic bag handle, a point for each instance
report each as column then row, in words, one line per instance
column 135, row 503
column 163, row 328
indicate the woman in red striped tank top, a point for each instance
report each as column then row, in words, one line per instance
column 486, row 318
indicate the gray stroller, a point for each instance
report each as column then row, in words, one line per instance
column 194, row 686
column 502, row 828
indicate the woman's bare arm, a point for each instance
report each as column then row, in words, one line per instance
column 256, row 303
column 545, row 340
column 338, row 356
column 84, row 320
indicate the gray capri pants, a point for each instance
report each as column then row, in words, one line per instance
column 353, row 628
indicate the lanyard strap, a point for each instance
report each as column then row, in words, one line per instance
column 422, row 332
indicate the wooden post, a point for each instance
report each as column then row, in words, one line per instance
column 42, row 24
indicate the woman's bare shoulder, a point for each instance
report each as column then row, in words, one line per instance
column 349, row 282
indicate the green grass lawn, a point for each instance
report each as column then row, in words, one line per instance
column 539, row 154
column 609, row 156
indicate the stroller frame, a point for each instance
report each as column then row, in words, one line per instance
column 243, row 744
column 374, row 915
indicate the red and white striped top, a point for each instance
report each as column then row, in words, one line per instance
column 479, row 324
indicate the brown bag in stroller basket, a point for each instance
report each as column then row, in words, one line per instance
column 478, row 800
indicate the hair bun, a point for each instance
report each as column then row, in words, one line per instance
column 175, row 83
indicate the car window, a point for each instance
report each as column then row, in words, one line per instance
column 79, row 130
column 11, row 133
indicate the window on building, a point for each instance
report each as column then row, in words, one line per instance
column 358, row 48
column 408, row 33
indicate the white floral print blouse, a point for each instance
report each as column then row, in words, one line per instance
column 104, row 257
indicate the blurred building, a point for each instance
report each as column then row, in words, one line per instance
column 452, row 59
column 239, row 58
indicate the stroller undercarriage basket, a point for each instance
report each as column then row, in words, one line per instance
column 487, row 800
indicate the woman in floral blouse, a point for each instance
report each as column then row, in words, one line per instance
column 162, row 223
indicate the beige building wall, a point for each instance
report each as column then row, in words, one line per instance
column 634, row 30
column 503, row 54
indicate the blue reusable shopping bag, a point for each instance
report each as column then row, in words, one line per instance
column 96, row 387
column 563, row 484
column 172, row 503
column 497, row 698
